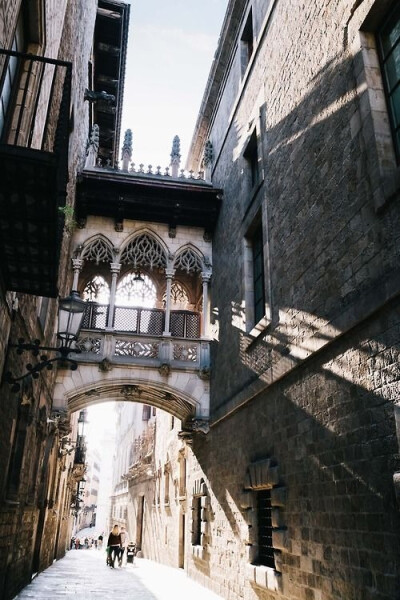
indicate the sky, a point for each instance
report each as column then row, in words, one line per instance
column 170, row 51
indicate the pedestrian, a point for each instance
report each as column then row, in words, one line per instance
column 100, row 541
column 124, row 544
column 77, row 544
column 113, row 545
column 72, row 543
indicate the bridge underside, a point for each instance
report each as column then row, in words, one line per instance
column 184, row 395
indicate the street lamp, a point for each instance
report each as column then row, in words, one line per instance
column 70, row 314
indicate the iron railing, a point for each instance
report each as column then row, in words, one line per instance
column 144, row 321
column 35, row 96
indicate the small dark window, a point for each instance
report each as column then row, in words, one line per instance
column 258, row 275
column 247, row 42
column 44, row 307
column 251, row 155
column 264, row 521
column 196, row 521
column 146, row 412
column 389, row 51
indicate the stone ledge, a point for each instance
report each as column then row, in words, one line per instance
column 264, row 577
column 199, row 552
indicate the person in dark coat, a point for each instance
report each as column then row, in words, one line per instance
column 114, row 544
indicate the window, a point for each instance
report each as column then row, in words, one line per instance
column 258, row 274
column 11, row 71
column 251, row 155
column 388, row 37
column 246, row 43
column 44, row 306
column 196, row 521
column 264, row 521
column 146, row 412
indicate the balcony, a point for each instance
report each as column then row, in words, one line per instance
column 142, row 321
column 138, row 337
column 34, row 127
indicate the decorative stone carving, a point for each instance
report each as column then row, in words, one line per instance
column 144, row 250
column 201, row 426
column 207, row 160
column 175, row 156
column 98, row 251
column 92, row 148
column 127, row 150
column 105, row 365
column 188, row 260
column 164, row 369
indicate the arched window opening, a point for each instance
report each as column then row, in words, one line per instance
column 136, row 290
column 179, row 297
column 97, row 290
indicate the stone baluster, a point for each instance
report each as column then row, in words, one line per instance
column 127, row 150
column 206, row 276
column 207, row 160
column 77, row 264
column 92, row 148
column 169, row 273
column 175, row 156
column 115, row 269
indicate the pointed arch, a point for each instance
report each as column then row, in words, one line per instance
column 145, row 249
column 98, row 249
column 189, row 258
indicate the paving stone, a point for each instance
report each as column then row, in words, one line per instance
column 84, row 574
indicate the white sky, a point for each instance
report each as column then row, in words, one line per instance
column 101, row 423
column 170, row 51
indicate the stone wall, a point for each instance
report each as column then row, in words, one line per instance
column 34, row 495
column 313, row 389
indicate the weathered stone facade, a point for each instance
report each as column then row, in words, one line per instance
column 36, row 476
column 313, row 385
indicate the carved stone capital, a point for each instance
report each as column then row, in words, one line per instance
column 115, row 268
column 169, row 273
column 206, row 276
column 201, row 426
column 77, row 264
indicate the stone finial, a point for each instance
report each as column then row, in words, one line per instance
column 175, row 156
column 92, row 148
column 127, row 150
column 207, row 160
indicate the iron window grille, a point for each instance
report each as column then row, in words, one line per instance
column 388, row 37
column 264, row 521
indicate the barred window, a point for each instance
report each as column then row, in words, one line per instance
column 258, row 274
column 264, row 522
column 388, row 37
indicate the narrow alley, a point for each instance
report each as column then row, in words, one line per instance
column 84, row 574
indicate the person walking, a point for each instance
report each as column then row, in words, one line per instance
column 124, row 544
column 113, row 545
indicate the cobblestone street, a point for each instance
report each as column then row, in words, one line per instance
column 84, row 574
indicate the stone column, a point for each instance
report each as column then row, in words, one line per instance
column 115, row 269
column 77, row 264
column 206, row 276
column 169, row 273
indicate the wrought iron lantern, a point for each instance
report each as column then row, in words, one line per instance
column 70, row 315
